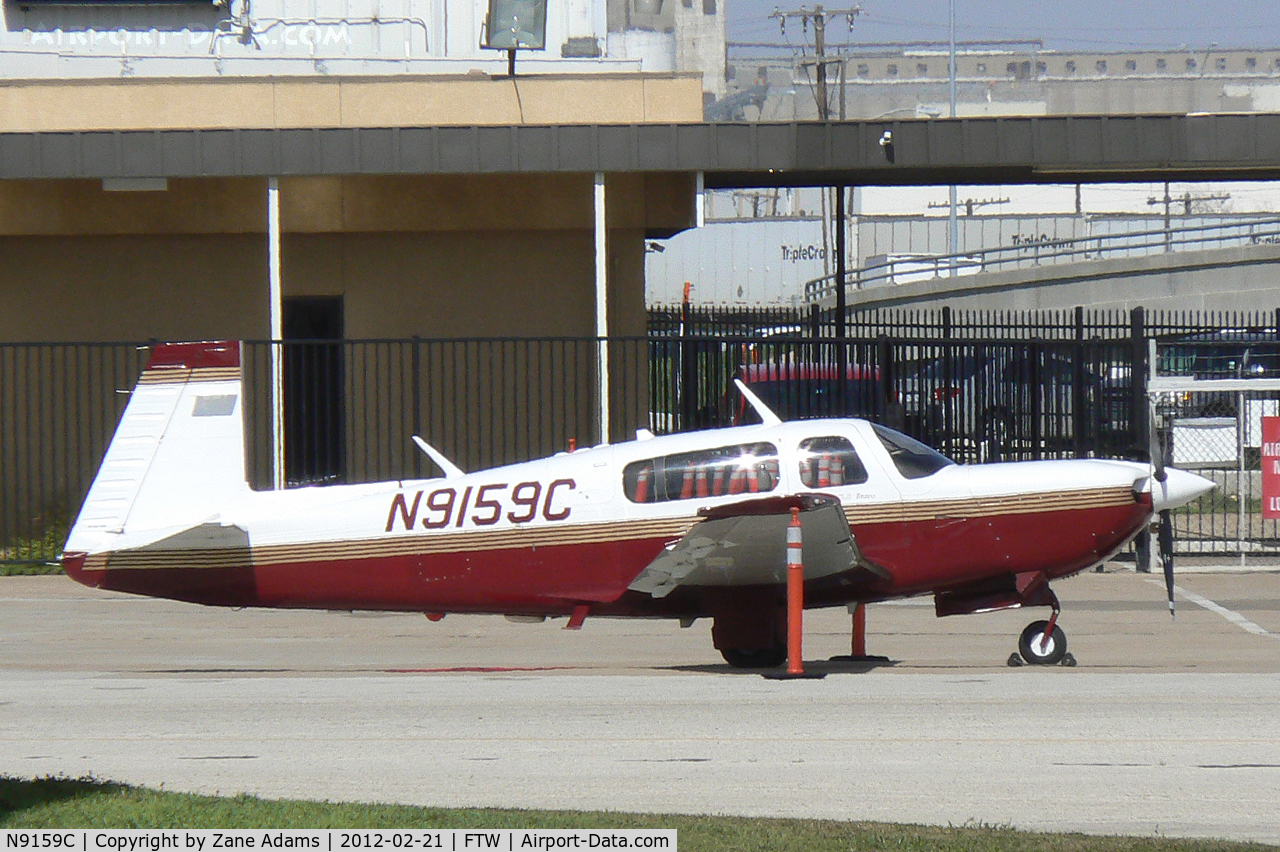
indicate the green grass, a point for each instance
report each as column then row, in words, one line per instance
column 25, row 569
column 1219, row 502
column 38, row 552
column 89, row 803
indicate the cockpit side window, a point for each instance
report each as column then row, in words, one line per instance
column 742, row 469
column 913, row 459
column 831, row 461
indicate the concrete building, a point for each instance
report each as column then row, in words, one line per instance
column 342, row 253
column 914, row 81
column 228, row 38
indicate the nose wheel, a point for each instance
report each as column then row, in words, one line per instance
column 1043, row 643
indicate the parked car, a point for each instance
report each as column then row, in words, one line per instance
column 799, row 391
column 1226, row 354
column 984, row 403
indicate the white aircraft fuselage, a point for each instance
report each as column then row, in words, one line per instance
column 680, row 526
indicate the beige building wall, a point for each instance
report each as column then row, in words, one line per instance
column 433, row 256
column 408, row 101
column 447, row 256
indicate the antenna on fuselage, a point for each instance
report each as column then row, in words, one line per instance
column 765, row 412
column 450, row 469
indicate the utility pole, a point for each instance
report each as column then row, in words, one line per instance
column 1186, row 201
column 970, row 204
column 953, row 227
column 819, row 18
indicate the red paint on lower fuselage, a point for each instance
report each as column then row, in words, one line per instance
column 921, row 556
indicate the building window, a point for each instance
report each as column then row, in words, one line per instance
column 892, row 70
column 1070, row 66
column 1191, row 63
column 1220, row 63
column 1041, row 68
column 708, row 7
column 982, row 67
column 863, row 69
column 1131, row 65
column 1162, row 64
column 1011, row 69
column 922, row 69
column 1101, row 65
column 1251, row 63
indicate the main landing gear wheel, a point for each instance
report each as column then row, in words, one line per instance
column 755, row 658
column 1041, row 650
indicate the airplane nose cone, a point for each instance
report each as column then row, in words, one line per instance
column 1178, row 489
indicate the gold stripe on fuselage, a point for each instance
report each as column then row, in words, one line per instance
column 666, row 529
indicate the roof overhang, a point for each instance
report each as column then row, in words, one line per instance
column 1066, row 149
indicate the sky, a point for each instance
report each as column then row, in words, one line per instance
column 1071, row 25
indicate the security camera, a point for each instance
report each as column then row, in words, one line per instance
column 886, row 139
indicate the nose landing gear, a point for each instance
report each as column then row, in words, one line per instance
column 1043, row 643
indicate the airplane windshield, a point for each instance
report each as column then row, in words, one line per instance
column 743, row 469
column 913, row 459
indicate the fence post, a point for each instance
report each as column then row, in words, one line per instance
column 688, row 369
column 417, row 402
column 893, row 414
column 1138, row 415
column 1036, row 351
column 1080, row 408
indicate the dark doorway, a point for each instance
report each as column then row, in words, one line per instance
column 313, row 390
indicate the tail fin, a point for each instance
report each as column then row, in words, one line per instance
column 177, row 455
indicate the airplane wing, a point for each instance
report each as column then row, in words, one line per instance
column 744, row 544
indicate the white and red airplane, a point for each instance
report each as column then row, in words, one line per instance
column 683, row 526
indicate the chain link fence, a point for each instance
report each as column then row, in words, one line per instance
column 1211, row 422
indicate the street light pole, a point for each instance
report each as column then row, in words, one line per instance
column 953, row 233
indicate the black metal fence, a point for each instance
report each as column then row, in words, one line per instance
column 981, row 386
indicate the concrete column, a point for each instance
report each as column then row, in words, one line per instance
column 602, row 308
column 276, row 313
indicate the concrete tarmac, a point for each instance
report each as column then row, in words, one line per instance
column 1165, row 727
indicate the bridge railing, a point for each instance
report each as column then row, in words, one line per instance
column 1034, row 252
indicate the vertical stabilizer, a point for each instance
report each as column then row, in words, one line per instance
column 177, row 456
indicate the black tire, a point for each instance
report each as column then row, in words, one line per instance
column 755, row 658
column 1029, row 645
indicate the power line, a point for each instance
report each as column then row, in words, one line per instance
column 818, row 17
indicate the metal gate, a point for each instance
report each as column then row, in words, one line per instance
column 1208, row 402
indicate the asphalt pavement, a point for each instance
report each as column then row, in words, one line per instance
column 1164, row 727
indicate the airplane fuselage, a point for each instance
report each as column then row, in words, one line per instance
column 547, row 536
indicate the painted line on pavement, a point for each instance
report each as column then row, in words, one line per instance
column 1230, row 615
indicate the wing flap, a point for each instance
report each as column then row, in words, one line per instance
column 744, row 544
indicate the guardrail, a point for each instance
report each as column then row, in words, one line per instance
column 1038, row 252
